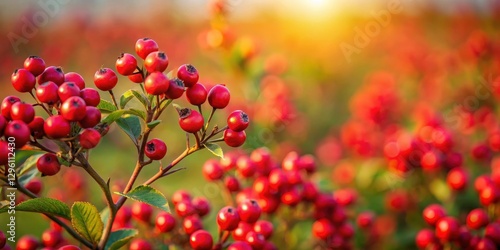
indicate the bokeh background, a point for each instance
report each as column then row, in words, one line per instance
column 336, row 79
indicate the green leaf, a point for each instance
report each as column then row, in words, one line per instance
column 131, row 126
column 125, row 98
column 115, row 115
column 23, row 155
column 119, row 238
column 28, row 176
column 215, row 149
column 104, row 215
column 149, row 196
column 43, row 205
column 106, row 106
column 137, row 112
column 86, row 221
column 29, row 164
column 153, row 124
column 143, row 99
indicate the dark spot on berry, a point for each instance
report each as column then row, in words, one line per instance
column 162, row 55
column 190, row 68
column 185, row 112
column 179, row 82
column 151, row 147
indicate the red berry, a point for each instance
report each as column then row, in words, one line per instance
column 447, row 228
column 262, row 159
column 322, row 229
column 228, row 219
column 291, row 197
column 232, row 183
column 156, row 83
column 219, row 96
column 140, row 244
column 22, row 80
column 48, row 164
column 191, row 224
column 365, row 220
column 90, row 96
column 201, row 205
column 4, row 152
column 269, row 204
column 241, row 231
column 69, row 247
column 51, row 238
column 433, row 213
column 156, row 61
column 7, row 104
column 277, row 179
column 142, row 212
column 196, row 94
column 19, row 131
column 92, row 117
column 75, row 78
column 190, row 120
column 136, row 78
column 185, row 208
column 485, row 244
column 124, row 215
column 67, row 90
column 74, row 109
column 89, row 138
column 27, row 242
column 310, row 191
column 201, row 240
column 3, row 240
column 126, row 64
column 264, row 227
column 492, row 232
column 47, row 92
column 35, row 65
column 181, row 195
column 245, row 167
column 155, row 149
column 22, row 111
column 233, row 138
column 34, row 186
column 188, row 74
column 53, row 74
column 255, row 240
column 165, row 222
column 105, row 79
column 238, row 121
column 144, row 46
column 477, row 219
column 175, row 89
column 212, row 170
column 56, row 127
column 489, row 195
column 457, row 179
column 425, row 238
column 239, row 245
column 249, row 211
column 482, row 181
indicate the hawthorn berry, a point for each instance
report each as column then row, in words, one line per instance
column 142, row 211
column 264, row 227
column 144, row 46
column 22, row 111
column 447, row 228
column 74, row 109
column 201, row 240
column 191, row 224
column 136, row 77
column 3, row 239
column 240, row 233
column 237, row 121
column 181, row 195
column 165, row 222
column 89, row 138
column 365, row 220
column 188, row 74
column 175, row 89
column 232, row 183
column 477, row 219
column 140, row 244
column 425, row 238
column 67, row 90
column 75, row 78
column 7, row 104
column 56, row 127
column 228, row 218
column 90, row 96
column 156, row 61
column 92, row 117
column 53, row 74
column 239, row 245
column 245, row 167
column 155, row 149
column 190, row 120
column 22, row 80
column 47, row 92
column 48, row 164
column 35, row 65
column 492, row 231
column 212, row 170
column 156, row 83
column 278, row 179
column 185, row 208
column 27, row 242
column 4, row 152
column 255, row 240
column 433, row 213
column 34, row 186
column 218, row 96
column 489, row 195
column 201, row 205
column 457, row 179
column 19, row 130
column 322, row 229
column 196, row 94
column 123, row 215
column 126, row 64
column 291, row 197
column 105, row 79
column 51, row 238
column 69, row 247
column 233, row 138
column 249, row 211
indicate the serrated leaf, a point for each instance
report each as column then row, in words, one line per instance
column 29, row 164
column 215, row 149
column 131, row 126
column 43, row 205
column 112, row 117
column 153, row 124
column 106, row 106
column 86, row 221
column 23, row 155
column 28, row 176
column 119, row 238
column 125, row 98
column 137, row 112
column 140, row 97
column 149, row 196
